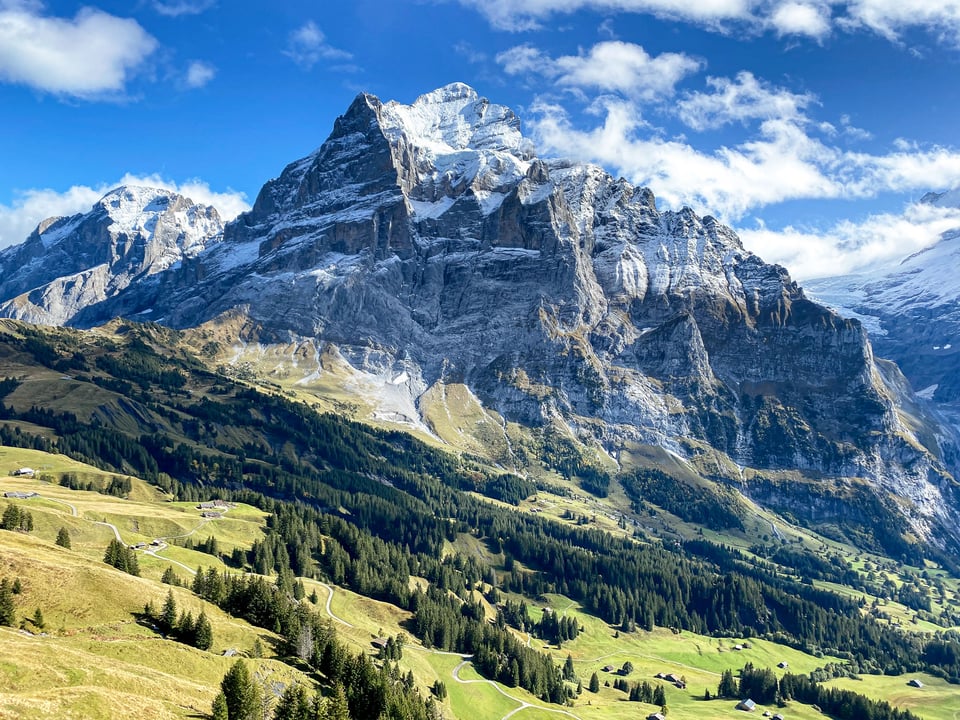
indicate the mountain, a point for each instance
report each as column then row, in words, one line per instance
column 426, row 252
column 912, row 311
column 71, row 263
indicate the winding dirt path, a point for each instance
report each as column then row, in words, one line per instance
column 329, row 589
column 73, row 508
column 523, row 703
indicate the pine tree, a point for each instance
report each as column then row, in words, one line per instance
column 199, row 584
column 241, row 693
column 220, row 710
column 728, row 686
column 203, row 632
column 659, row 696
column 63, row 538
column 169, row 577
column 187, row 628
column 569, row 672
column 8, row 611
column 168, row 615
column 133, row 565
column 293, row 704
column 11, row 518
column 336, row 707
column 594, row 685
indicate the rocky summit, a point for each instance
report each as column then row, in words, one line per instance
column 74, row 263
column 427, row 246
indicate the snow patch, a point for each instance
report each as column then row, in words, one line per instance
column 928, row 392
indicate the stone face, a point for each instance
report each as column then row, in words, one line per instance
column 428, row 243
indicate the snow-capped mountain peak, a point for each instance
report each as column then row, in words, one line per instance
column 70, row 263
column 455, row 118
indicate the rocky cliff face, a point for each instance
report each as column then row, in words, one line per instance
column 68, row 264
column 427, row 246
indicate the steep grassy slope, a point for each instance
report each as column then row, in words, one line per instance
column 132, row 406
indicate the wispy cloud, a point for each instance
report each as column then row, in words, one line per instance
column 851, row 246
column 529, row 15
column 307, row 45
column 29, row 207
column 91, row 56
column 782, row 161
column 741, row 99
column 176, row 8
column 813, row 18
column 198, row 74
column 610, row 66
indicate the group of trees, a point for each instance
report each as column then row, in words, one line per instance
column 122, row 557
column 762, row 686
column 118, row 486
column 642, row 691
column 181, row 625
column 16, row 518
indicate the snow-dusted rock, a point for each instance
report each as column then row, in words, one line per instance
column 68, row 264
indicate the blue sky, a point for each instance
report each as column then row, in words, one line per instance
column 811, row 126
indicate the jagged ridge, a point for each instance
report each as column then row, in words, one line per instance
column 428, row 245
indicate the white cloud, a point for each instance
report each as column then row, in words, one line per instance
column 92, row 55
column 801, row 18
column 307, row 45
column 176, row 8
column 890, row 18
column 813, row 18
column 199, row 73
column 739, row 100
column 610, row 66
column 852, row 246
column 781, row 162
column 22, row 216
column 516, row 16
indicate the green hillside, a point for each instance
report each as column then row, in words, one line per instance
column 329, row 527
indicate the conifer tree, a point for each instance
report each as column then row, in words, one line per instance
column 293, row 704
column 594, row 685
column 241, row 693
column 8, row 611
column 11, row 518
column 203, row 632
column 63, row 538
column 168, row 615
column 38, row 620
column 336, row 707
column 220, row 710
